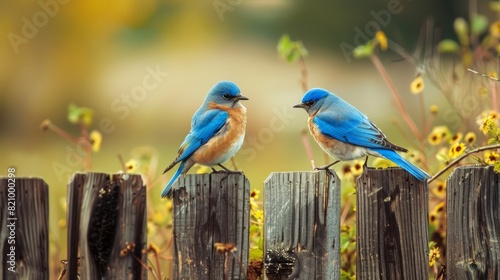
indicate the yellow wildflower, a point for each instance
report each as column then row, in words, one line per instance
column 486, row 124
column 382, row 39
column 456, row 150
column 493, row 74
column 434, row 109
column 457, row 137
column 357, row 168
column 414, row 156
column 96, row 140
column 440, row 189
column 255, row 194
column 470, row 138
column 491, row 157
column 158, row 217
column 439, row 208
column 202, row 169
column 382, row 163
column 130, row 166
column 346, row 171
column 482, row 91
column 495, row 29
column 434, row 138
column 417, row 85
column 438, row 134
column 434, row 255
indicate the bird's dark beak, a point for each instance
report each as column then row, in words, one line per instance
column 301, row 105
column 240, row 97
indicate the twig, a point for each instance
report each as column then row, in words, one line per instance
column 399, row 102
column 233, row 162
column 47, row 124
column 307, row 147
column 303, row 73
column 458, row 159
column 122, row 162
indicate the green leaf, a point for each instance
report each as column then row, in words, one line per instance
column 496, row 167
column 345, row 241
column 81, row 115
column 254, row 229
column 290, row 50
column 462, row 31
column 363, row 51
column 448, row 46
column 478, row 24
column 256, row 254
column 73, row 113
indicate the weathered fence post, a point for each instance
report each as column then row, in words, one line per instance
column 473, row 227
column 107, row 226
column 302, row 225
column 24, row 219
column 208, row 209
column 392, row 225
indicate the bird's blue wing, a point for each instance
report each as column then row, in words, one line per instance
column 353, row 128
column 203, row 127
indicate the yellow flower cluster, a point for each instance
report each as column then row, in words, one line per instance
column 433, row 256
column 438, row 135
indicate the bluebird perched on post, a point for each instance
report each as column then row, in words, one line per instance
column 217, row 132
column 345, row 133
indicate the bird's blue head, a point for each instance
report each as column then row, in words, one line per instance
column 313, row 100
column 225, row 93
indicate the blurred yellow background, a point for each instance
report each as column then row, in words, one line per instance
column 99, row 54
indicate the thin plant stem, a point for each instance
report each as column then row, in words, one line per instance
column 307, row 147
column 85, row 143
column 122, row 163
column 303, row 73
column 47, row 124
column 422, row 108
column 399, row 103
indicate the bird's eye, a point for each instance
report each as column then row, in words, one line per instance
column 309, row 103
column 227, row 96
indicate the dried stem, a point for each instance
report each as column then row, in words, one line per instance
column 87, row 147
column 47, row 124
column 303, row 73
column 401, row 108
column 233, row 162
column 307, row 147
column 122, row 162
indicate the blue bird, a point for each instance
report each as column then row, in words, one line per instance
column 345, row 133
column 217, row 132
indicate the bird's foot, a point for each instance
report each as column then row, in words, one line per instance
column 326, row 167
column 226, row 170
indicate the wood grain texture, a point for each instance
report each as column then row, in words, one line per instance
column 302, row 225
column 31, row 229
column 473, row 226
column 105, row 213
column 207, row 209
column 392, row 225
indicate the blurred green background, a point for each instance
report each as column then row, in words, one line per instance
column 98, row 53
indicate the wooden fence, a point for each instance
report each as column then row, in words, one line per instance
column 107, row 238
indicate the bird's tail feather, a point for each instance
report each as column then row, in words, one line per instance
column 167, row 191
column 399, row 160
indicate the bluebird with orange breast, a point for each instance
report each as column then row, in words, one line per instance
column 217, row 132
column 345, row 133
